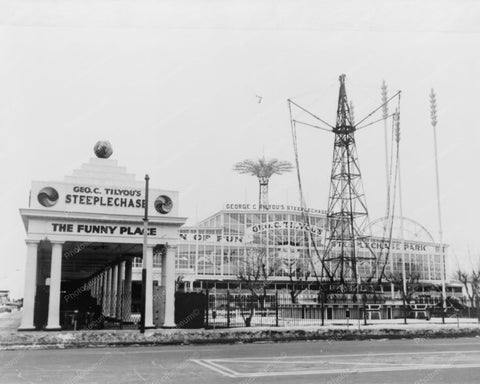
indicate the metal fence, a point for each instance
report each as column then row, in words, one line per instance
column 233, row 309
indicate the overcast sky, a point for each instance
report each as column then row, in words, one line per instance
column 173, row 86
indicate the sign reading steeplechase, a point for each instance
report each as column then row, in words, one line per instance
column 106, row 197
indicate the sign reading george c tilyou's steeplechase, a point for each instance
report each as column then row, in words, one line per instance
column 71, row 197
column 270, row 207
column 107, row 197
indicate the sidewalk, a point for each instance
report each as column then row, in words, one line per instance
column 418, row 330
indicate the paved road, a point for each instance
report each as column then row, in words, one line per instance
column 334, row 362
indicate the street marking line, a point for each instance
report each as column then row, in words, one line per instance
column 322, row 361
column 207, row 365
column 234, row 374
column 220, row 365
column 358, row 370
column 363, row 355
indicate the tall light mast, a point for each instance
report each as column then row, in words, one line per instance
column 385, row 116
column 433, row 116
column 400, row 201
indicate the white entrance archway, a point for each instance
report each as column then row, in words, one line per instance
column 89, row 228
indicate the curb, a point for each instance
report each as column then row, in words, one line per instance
column 103, row 339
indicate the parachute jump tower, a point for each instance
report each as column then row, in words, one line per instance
column 347, row 223
column 347, row 213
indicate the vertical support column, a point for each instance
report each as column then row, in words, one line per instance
column 121, row 274
column 93, row 286
column 127, row 303
column 113, row 291
column 149, row 291
column 55, row 280
column 106, row 292
column 96, row 286
column 99, row 288
column 30, row 286
column 168, row 274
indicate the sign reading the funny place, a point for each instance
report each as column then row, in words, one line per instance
column 100, row 229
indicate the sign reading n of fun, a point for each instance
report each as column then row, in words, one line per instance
column 217, row 239
column 71, row 197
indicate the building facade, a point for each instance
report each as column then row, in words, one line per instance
column 216, row 252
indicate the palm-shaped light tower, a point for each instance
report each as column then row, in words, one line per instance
column 263, row 169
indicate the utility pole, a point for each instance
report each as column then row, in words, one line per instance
column 433, row 116
column 144, row 260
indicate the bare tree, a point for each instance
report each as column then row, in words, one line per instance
column 298, row 272
column 254, row 275
column 471, row 283
column 263, row 169
column 407, row 290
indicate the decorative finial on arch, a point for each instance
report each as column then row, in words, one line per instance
column 103, row 149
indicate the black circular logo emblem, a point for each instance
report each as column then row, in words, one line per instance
column 48, row 196
column 163, row 204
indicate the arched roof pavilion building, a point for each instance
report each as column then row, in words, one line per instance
column 213, row 253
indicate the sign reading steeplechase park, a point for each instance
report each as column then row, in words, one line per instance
column 378, row 245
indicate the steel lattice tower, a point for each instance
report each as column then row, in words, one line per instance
column 347, row 214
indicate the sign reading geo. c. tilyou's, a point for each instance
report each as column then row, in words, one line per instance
column 74, row 197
